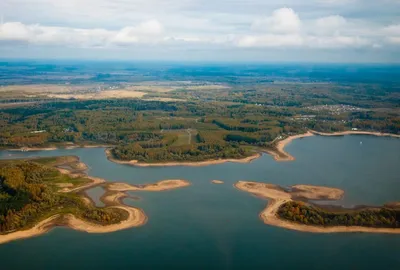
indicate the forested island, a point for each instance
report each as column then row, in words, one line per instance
column 291, row 209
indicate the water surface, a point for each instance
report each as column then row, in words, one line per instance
column 217, row 227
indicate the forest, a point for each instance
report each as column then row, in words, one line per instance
column 29, row 193
column 303, row 213
column 228, row 122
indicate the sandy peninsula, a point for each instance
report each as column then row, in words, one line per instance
column 190, row 164
column 40, row 228
column 31, row 149
column 356, row 132
column 218, row 182
column 278, row 196
column 159, row 186
column 112, row 198
column 279, row 154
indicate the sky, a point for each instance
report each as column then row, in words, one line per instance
column 202, row 30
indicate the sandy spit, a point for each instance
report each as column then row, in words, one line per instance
column 217, row 182
column 281, row 155
column 191, row 164
column 353, row 132
column 136, row 216
column 31, row 149
column 159, row 186
column 278, row 196
column 40, row 228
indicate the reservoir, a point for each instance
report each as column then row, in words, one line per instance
column 208, row 226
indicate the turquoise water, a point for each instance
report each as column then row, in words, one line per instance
column 208, row 226
column 95, row 194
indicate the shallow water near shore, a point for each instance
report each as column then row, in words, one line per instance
column 216, row 226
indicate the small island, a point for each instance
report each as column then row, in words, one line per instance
column 40, row 193
column 218, row 182
column 159, row 186
column 197, row 161
column 291, row 209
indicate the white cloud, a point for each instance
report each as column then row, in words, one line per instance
column 329, row 24
column 272, row 40
column 283, row 20
column 148, row 31
column 191, row 24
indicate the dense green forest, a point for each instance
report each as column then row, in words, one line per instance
column 312, row 215
column 29, row 193
column 197, row 152
column 185, row 130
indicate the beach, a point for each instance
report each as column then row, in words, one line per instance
column 277, row 197
column 356, row 132
column 159, row 186
column 279, row 154
column 136, row 217
column 217, row 182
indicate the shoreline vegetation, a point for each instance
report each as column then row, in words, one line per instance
column 277, row 152
column 280, row 198
column 191, row 164
column 162, row 185
column 76, row 182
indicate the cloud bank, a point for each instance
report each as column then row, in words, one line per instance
column 193, row 25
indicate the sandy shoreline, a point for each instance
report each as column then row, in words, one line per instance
column 114, row 193
column 353, row 132
column 277, row 196
column 53, row 148
column 279, row 154
column 218, row 182
column 191, row 164
column 159, row 186
column 136, row 217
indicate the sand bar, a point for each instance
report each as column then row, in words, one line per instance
column 217, row 182
column 278, row 196
column 356, row 132
column 40, row 228
column 159, row 186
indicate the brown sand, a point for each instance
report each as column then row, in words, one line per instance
column 217, row 182
column 280, row 154
column 30, row 149
column 136, row 217
column 38, row 229
column 358, row 132
column 159, row 186
column 191, row 164
column 277, row 197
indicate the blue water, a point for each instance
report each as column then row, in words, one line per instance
column 217, row 227
column 95, row 194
